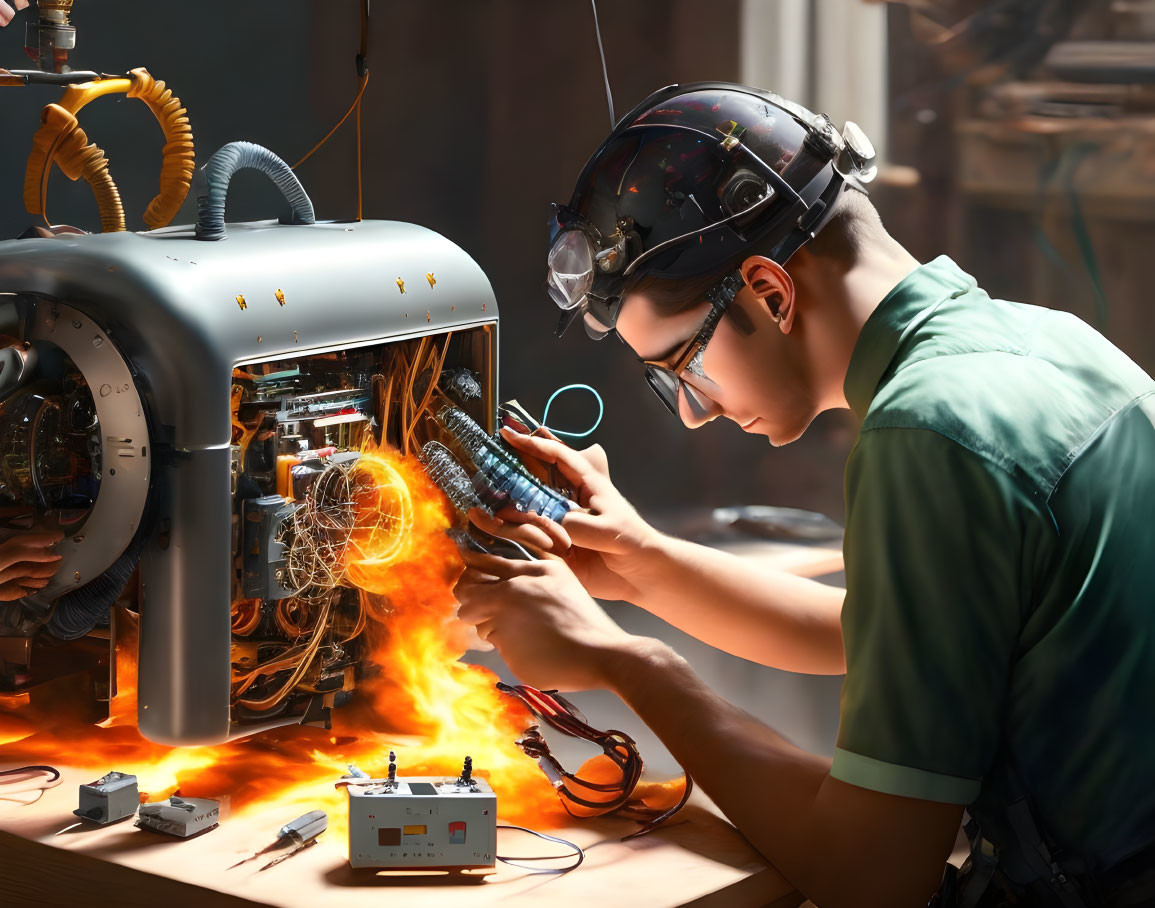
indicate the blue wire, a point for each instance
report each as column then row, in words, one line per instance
column 589, row 431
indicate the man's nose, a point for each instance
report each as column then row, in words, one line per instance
column 695, row 408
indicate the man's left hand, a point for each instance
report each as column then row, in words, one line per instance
column 548, row 630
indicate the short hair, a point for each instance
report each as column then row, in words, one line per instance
column 853, row 224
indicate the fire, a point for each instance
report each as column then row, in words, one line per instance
column 422, row 702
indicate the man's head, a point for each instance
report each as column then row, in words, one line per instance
column 698, row 183
column 773, row 361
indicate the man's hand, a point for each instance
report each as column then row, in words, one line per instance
column 548, row 630
column 605, row 545
column 27, row 563
column 7, row 12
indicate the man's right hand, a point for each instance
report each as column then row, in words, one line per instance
column 7, row 12
column 606, row 544
column 27, row 563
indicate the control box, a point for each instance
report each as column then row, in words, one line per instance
column 417, row 822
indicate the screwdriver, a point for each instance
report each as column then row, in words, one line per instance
column 302, row 832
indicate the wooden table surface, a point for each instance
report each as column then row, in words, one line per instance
column 700, row 860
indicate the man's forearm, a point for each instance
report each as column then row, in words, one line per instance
column 831, row 840
column 770, row 616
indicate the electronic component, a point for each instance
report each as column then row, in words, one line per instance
column 264, row 553
column 449, row 476
column 181, row 817
column 422, row 822
column 301, row 832
column 462, row 385
column 501, row 477
column 561, row 715
column 49, row 38
column 110, row 798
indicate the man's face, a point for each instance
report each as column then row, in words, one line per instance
column 753, row 369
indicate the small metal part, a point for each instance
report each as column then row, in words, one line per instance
column 241, row 302
column 301, row 832
column 306, row 827
column 462, row 385
column 280, row 295
column 112, row 797
column 432, row 280
column 401, row 285
column 180, row 817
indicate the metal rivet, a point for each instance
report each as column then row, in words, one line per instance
column 97, row 341
column 77, row 576
column 241, row 302
column 76, row 323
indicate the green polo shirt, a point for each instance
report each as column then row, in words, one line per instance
column 1000, row 566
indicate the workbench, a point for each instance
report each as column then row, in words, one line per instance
column 699, row 859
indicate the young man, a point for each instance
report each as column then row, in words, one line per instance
column 998, row 626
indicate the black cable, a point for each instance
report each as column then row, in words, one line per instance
column 52, row 769
column 513, row 860
column 605, row 72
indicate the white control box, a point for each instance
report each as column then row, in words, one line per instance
column 422, row 823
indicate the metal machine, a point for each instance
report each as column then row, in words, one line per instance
column 176, row 402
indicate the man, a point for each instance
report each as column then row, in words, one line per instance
column 998, row 626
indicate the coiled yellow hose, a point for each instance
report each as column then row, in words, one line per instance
column 77, row 158
column 59, row 130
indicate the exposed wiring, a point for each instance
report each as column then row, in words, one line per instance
column 591, row 429
column 513, row 860
column 562, row 716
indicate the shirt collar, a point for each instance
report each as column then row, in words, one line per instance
column 909, row 303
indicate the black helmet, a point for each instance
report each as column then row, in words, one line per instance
column 687, row 180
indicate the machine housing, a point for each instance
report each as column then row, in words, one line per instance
column 177, row 347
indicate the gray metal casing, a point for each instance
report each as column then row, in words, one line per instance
column 110, row 798
column 170, row 305
column 459, row 822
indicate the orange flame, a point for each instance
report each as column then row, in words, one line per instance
column 422, row 702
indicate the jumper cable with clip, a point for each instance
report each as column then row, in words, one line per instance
column 558, row 713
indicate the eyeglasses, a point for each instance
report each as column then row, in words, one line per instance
column 665, row 376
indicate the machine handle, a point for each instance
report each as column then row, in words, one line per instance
column 212, row 185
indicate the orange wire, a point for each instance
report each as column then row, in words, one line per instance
column 359, row 152
column 355, row 105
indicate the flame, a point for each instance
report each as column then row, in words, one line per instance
column 420, row 700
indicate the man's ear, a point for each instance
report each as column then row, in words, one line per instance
column 772, row 287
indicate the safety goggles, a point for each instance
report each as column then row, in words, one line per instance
column 665, row 376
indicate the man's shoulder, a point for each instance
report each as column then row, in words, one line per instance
column 1022, row 387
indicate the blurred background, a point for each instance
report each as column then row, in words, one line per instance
column 1017, row 136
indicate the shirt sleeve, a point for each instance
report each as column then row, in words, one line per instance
column 933, row 552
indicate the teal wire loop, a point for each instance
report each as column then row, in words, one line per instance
column 591, row 429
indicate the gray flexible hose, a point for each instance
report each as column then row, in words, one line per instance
column 212, row 186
